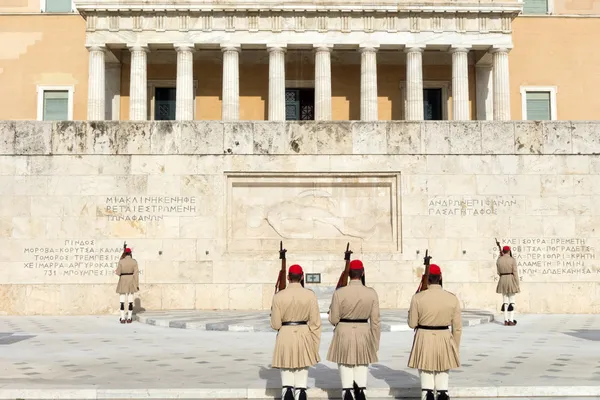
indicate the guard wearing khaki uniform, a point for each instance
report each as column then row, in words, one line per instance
column 435, row 348
column 295, row 315
column 129, row 283
column 354, row 312
column 508, row 284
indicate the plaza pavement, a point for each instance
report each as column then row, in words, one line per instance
column 95, row 357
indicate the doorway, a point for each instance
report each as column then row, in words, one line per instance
column 432, row 104
column 300, row 104
column 164, row 103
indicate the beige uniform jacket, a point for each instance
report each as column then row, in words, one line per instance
column 296, row 346
column 507, row 284
column 129, row 280
column 435, row 350
column 355, row 343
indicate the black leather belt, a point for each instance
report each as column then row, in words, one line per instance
column 432, row 328
column 510, row 273
column 126, row 273
column 288, row 323
column 357, row 321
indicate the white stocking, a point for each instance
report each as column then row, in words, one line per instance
column 427, row 382
column 347, row 377
column 130, row 307
column 122, row 299
column 287, row 379
column 511, row 300
column 441, row 381
column 301, row 378
column 361, row 373
column 505, row 304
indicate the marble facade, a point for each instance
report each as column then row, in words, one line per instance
column 204, row 205
column 113, row 26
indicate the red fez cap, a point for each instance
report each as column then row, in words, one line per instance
column 296, row 269
column 434, row 269
column 506, row 248
column 356, row 264
column 128, row 250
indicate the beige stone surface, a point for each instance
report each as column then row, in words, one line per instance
column 205, row 205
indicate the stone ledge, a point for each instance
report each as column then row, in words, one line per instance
column 299, row 138
column 93, row 392
column 252, row 321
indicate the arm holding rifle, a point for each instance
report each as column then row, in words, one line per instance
column 425, row 278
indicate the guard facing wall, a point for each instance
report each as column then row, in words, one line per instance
column 204, row 205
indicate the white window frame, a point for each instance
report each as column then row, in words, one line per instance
column 43, row 7
column 550, row 10
column 553, row 91
column 40, row 99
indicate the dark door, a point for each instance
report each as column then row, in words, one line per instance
column 300, row 104
column 164, row 104
column 432, row 104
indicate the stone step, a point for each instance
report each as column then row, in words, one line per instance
column 259, row 321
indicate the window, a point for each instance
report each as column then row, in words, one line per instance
column 538, row 103
column 57, row 6
column 536, row 7
column 300, row 104
column 55, row 103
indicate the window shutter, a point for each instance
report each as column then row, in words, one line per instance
column 58, row 6
column 538, row 106
column 56, row 105
column 535, row 7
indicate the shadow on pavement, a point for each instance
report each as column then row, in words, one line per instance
column 396, row 379
column 587, row 334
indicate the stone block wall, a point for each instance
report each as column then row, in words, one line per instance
column 204, row 205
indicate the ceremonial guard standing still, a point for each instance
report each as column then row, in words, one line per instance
column 435, row 348
column 354, row 312
column 295, row 315
column 508, row 284
column 129, row 283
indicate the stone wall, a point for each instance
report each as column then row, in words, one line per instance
column 204, row 205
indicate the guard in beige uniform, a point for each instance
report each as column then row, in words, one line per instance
column 508, row 285
column 354, row 312
column 295, row 315
column 129, row 283
column 435, row 348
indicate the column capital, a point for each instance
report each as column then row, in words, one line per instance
column 323, row 47
column 96, row 47
column 231, row 47
column 500, row 49
column 460, row 49
column 138, row 47
column 414, row 48
column 368, row 48
column 276, row 47
column 184, row 47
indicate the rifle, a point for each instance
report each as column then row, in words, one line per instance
column 280, row 284
column 124, row 247
column 500, row 248
column 343, row 281
column 424, row 279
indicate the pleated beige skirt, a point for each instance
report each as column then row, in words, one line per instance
column 507, row 284
column 126, row 285
column 295, row 347
column 352, row 344
column 434, row 350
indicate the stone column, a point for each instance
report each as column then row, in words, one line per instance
column 414, row 83
column 96, row 84
column 501, row 84
column 368, row 83
column 460, row 83
column 484, row 88
column 138, row 92
column 276, row 82
column 323, row 82
column 231, row 83
column 184, row 94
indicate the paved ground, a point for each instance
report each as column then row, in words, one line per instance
column 258, row 321
column 96, row 357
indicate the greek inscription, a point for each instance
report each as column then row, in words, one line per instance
column 147, row 208
column 73, row 258
column 475, row 206
column 551, row 256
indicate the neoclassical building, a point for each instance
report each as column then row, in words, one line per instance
column 295, row 60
